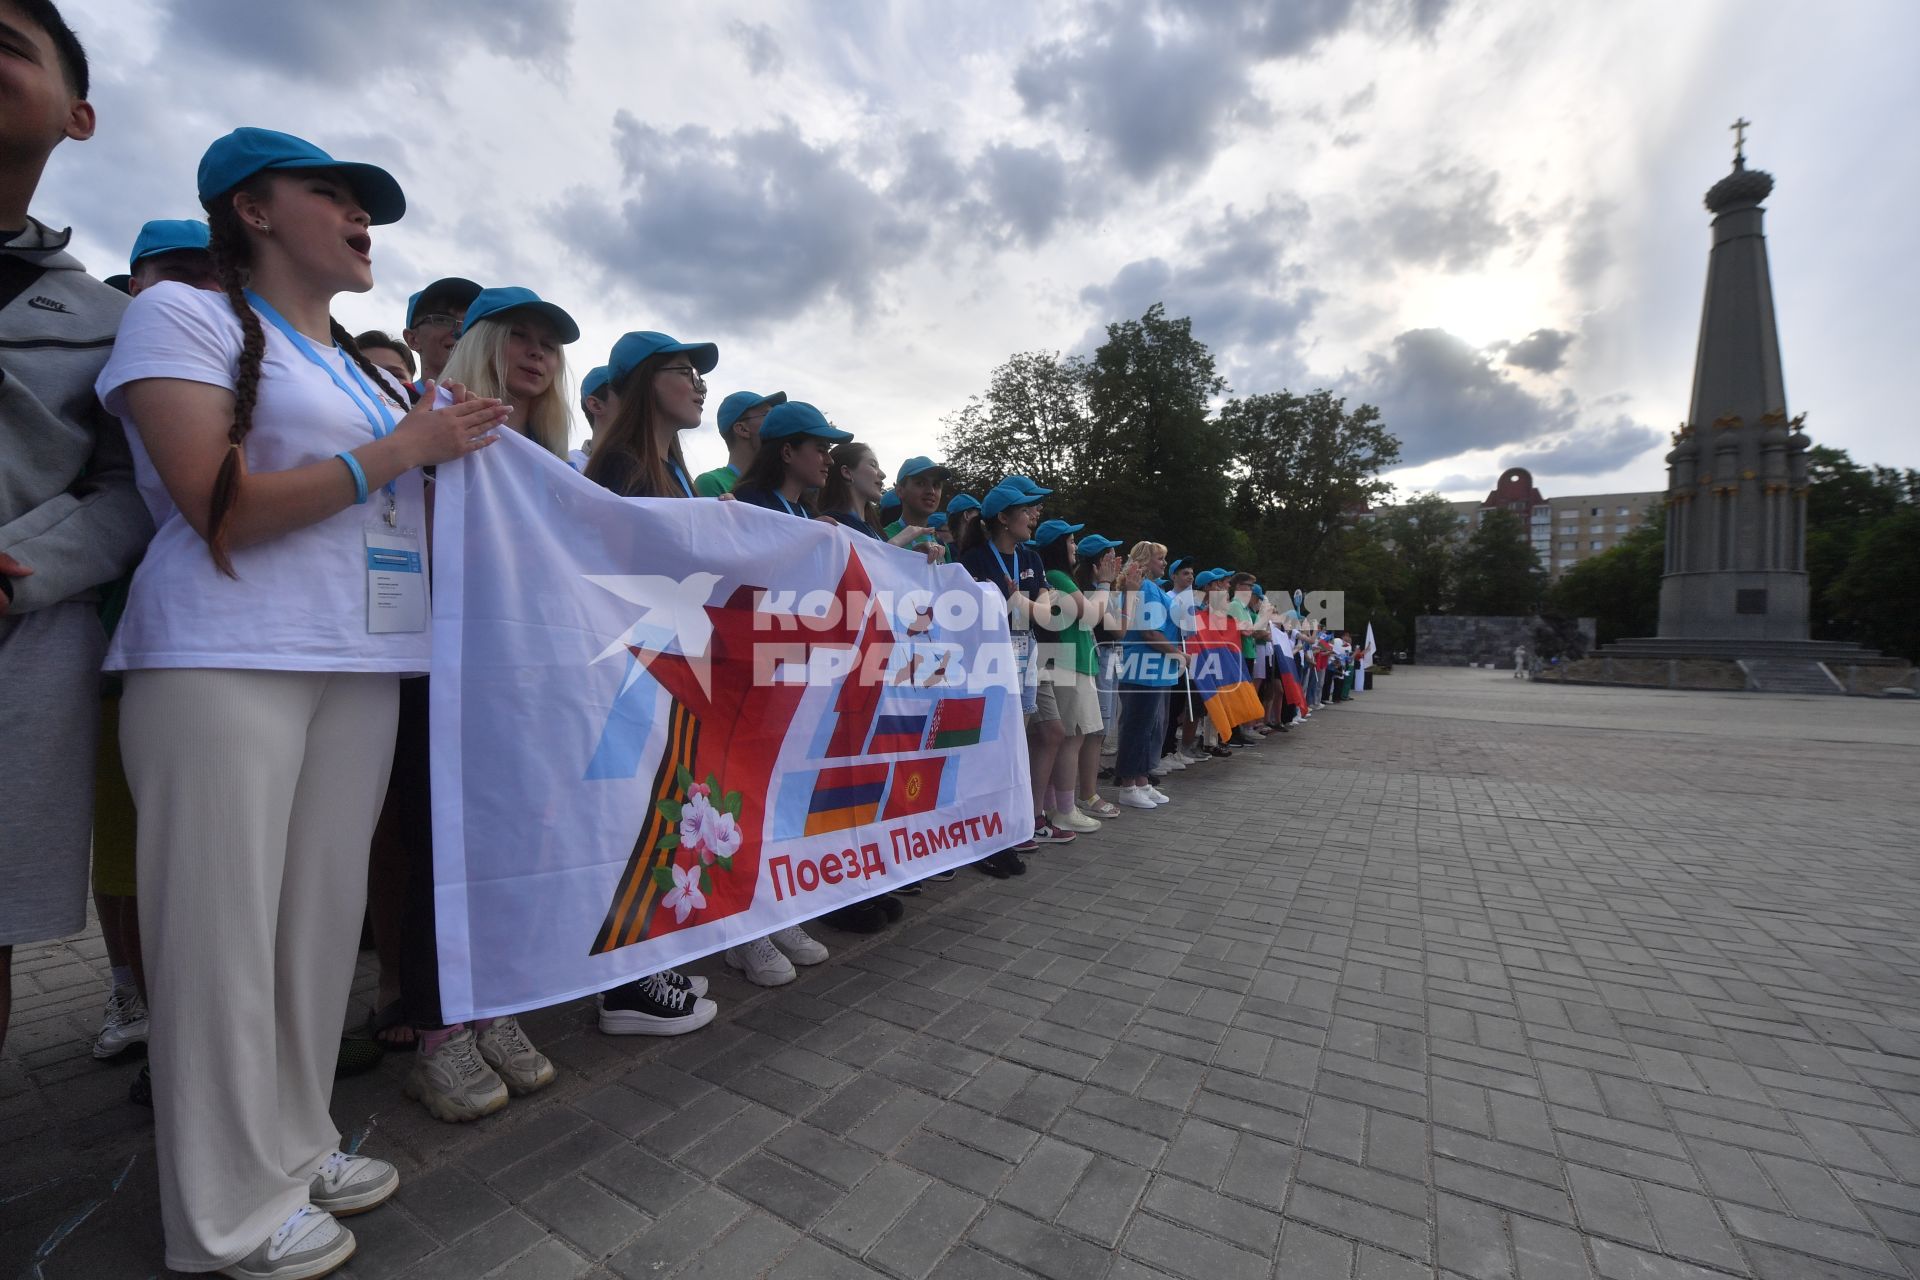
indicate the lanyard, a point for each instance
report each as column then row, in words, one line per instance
column 372, row 406
column 680, row 474
column 781, row 498
column 1012, row 571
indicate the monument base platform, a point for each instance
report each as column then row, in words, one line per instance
column 1761, row 666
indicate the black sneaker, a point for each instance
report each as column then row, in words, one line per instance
column 653, row 1006
column 995, row 865
column 675, row 978
column 1015, row 863
column 861, row 917
column 941, row 877
column 891, row 907
column 1155, row 779
column 1106, row 774
column 140, row 1092
column 909, row 890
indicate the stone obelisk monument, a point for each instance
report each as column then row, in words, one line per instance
column 1737, row 475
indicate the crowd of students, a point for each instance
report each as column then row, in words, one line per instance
column 212, row 472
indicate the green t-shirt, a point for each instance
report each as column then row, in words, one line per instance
column 1077, row 635
column 1240, row 613
column 893, row 530
column 711, row 484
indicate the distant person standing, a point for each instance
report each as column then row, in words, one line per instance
column 1519, row 662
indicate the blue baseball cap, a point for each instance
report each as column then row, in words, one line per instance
column 962, row 502
column 938, row 520
column 736, row 406
column 637, row 346
column 1024, row 483
column 796, row 419
column 1050, row 530
column 458, row 291
column 593, row 384
column 1175, row 567
column 233, row 159
column 1259, row 592
column 168, row 235
column 915, row 465
column 1093, row 546
column 499, row 301
column 1007, row 494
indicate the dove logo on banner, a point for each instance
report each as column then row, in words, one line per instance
column 662, row 727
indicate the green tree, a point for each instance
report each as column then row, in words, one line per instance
column 1845, row 500
column 1497, row 574
column 1032, row 421
column 1303, row 467
column 1157, row 463
column 1619, row 588
column 1878, row 592
column 1420, row 535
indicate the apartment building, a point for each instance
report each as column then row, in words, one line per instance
column 1562, row 531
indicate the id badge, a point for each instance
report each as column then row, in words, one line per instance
column 396, row 582
column 1023, row 655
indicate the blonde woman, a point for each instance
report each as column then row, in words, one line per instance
column 512, row 348
column 1151, row 663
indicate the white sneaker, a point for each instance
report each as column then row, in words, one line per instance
column 1074, row 821
column 761, row 962
column 1173, row 760
column 801, row 947
column 346, row 1185
column 124, row 1026
column 1134, row 798
column 453, row 1083
column 504, row 1047
column 1201, row 758
column 1158, row 796
column 309, row 1243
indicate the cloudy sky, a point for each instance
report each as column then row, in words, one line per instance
column 1482, row 215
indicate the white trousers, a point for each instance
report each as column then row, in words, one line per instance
column 257, row 793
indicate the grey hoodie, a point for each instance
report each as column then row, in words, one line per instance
column 68, row 507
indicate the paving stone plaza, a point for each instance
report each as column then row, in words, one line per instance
column 1467, row 978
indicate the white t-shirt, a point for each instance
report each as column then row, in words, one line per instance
column 299, row 602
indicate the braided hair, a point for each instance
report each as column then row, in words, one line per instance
column 232, row 257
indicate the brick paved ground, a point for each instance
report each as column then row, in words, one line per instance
column 1469, row 979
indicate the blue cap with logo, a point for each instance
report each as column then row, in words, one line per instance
column 457, row 292
column 1010, row 494
column 1207, row 577
column 938, row 520
column 1024, row 483
column 1093, row 546
column 1052, row 530
column 239, row 155
column 962, row 502
column 795, row 419
column 889, row 502
column 632, row 348
column 593, row 384
column 736, row 406
column 915, row 465
column 168, row 235
column 497, row 302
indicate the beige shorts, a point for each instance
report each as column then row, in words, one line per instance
column 1075, row 702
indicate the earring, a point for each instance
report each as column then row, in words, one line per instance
column 263, row 226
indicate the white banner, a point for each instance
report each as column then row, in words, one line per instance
column 663, row 727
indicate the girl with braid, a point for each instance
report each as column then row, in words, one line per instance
column 263, row 643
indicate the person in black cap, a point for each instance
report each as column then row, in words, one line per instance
column 434, row 322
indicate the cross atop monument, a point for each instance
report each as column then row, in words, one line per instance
column 1740, row 128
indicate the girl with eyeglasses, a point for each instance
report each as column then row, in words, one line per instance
column 655, row 389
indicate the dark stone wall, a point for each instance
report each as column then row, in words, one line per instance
column 1454, row 641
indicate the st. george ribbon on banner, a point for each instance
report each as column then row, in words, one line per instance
column 665, row 726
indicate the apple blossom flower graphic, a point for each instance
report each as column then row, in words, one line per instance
column 685, row 897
